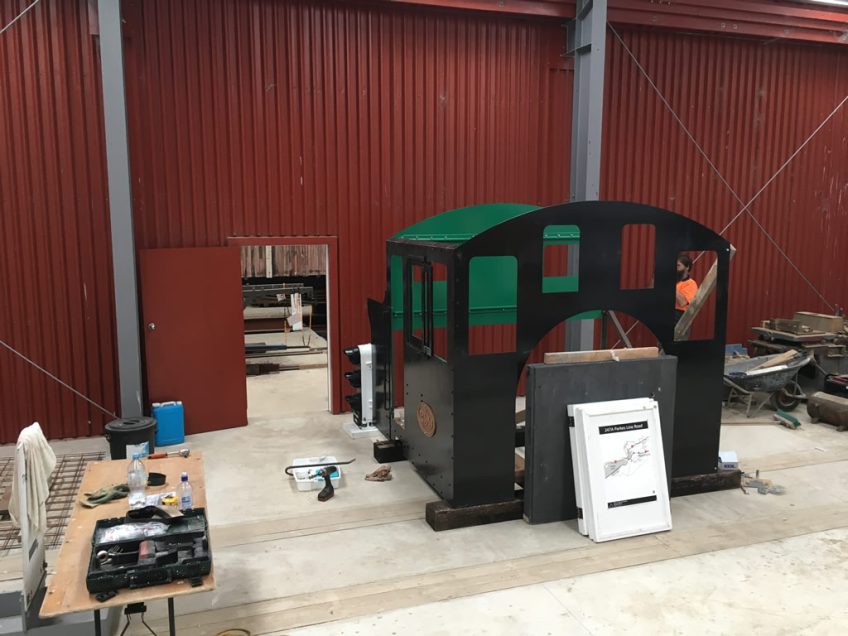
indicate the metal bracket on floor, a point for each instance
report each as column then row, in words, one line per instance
column 357, row 432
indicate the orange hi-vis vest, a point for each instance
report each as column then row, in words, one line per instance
column 686, row 288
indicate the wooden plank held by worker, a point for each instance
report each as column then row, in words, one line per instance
column 604, row 355
column 706, row 288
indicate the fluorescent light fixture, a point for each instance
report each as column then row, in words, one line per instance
column 832, row 3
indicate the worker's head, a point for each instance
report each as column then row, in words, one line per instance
column 684, row 266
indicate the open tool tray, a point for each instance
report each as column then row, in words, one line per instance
column 147, row 549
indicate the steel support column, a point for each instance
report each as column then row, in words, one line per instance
column 120, row 206
column 586, row 40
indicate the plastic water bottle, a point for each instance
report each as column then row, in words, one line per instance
column 137, row 481
column 185, row 493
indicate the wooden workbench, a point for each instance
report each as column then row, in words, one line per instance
column 66, row 590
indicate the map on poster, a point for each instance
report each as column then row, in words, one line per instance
column 626, row 453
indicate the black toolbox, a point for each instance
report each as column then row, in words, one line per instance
column 148, row 547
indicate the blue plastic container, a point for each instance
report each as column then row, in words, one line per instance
column 170, row 423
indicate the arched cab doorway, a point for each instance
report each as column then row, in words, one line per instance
column 464, row 447
column 556, row 380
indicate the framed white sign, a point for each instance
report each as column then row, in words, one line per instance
column 579, row 480
column 621, row 467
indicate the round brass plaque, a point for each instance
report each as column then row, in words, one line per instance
column 426, row 419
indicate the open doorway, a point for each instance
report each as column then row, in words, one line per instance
column 285, row 297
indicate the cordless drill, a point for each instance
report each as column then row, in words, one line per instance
column 328, row 491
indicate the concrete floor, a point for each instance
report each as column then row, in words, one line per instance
column 287, row 393
column 366, row 562
column 792, row 586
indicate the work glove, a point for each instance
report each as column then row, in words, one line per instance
column 105, row 495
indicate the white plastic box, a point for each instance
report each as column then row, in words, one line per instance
column 727, row 460
column 307, row 479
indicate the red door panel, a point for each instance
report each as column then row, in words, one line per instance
column 194, row 334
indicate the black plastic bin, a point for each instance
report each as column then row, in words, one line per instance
column 132, row 431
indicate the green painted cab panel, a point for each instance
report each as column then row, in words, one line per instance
column 493, row 281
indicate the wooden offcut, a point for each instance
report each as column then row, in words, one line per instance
column 695, row 484
column 604, row 355
column 779, row 359
column 441, row 516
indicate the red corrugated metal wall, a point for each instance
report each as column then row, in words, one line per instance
column 55, row 263
column 750, row 104
column 356, row 121
column 352, row 120
column 303, row 118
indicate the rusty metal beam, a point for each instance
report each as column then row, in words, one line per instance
column 542, row 8
column 758, row 18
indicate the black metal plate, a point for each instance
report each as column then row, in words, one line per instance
column 548, row 476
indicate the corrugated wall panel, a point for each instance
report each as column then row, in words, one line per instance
column 344, row 119
column 750, row 104
column 302, row 118
column 55, row 263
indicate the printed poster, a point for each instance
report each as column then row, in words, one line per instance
column 629, row 475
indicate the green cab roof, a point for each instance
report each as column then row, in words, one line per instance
column 462, row 224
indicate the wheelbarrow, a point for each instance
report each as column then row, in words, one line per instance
column 746, row 380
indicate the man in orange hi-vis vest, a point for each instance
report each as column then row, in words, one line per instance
column 686, row 287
